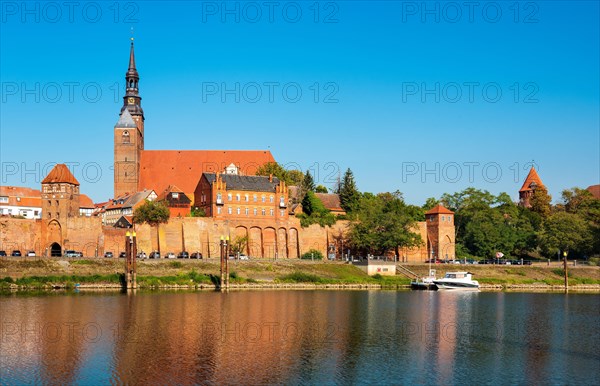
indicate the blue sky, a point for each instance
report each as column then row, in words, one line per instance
column 424, row 98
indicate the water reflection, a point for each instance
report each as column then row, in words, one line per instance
column 293, row 337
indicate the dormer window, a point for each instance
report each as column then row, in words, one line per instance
column 175, row 195
column 126, row 138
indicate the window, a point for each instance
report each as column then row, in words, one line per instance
column 237, row 197
column 229, row 197
column 443, row 218
column 282, row 213
column 56, row 202
column 264, row 212
column 175, row 195
column 246, row 197
column 219, row 198
column 272, row 212
column 239, row 210
column 430, row 218
column 126, row 138
column 282, row 201
column 219, row 210
column 3, row 200
column 229, row 210
column 49, row 203
column 271, row 199
column 255, row 211
column 255, row 198
column 263, row 198
column 247, row 211
column 49, row 215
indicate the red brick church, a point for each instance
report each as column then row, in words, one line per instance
column 137, row 169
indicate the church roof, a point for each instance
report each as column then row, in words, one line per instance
column 439, row 209
column 531, row 178
column 126, row 121
column 184, row 168
column 60, row 174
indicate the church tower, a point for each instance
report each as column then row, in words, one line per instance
column 129, row 134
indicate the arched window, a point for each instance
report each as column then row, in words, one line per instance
column 271, row 199
column 126, row 138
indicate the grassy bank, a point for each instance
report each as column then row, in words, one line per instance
column 49, row 273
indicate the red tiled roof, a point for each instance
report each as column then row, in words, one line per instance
column 85, row 202
column 184, row 168
column 532, row 177
column 169, row 189
column 19, row 196
column 330, row 201
column 439, row 209
column 595, row 190
column 60, row 173
column 17, row 191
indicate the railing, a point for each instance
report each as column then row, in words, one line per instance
column 406, row 272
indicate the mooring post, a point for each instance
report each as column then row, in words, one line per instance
column 221, row 244
column 134, row 261
column 227, row 262
column 566, row 274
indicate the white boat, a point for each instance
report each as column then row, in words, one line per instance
column 457, row 281
column 425, row 283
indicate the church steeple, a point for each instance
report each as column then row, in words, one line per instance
column 132, row 100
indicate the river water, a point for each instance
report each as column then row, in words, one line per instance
column 300, row 337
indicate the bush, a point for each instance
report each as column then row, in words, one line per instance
column 301, row 277
column 312, row 254
column 377, row 276
column 176, row 264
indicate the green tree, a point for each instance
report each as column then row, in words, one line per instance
column 563, row 231
column 314, row 212
column 430, row 203
column 197, row 212
column 384, row 223
column 321, row 189
column 308, row 184
column 540, row 202
column 152, row 213
column 274, row 169
column 294, row 177
column 239, row 244
column 349, row 194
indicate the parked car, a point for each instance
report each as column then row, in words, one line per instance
column 243, row 257
column 183, row 255
column 31, row 254
column 71, row 253
column 2, row 253
column 122, row 255
column 170, row 255
column 79, row 254
column 154, row 255
column 196, row 255
column 109, row 255
column 16, row 253
column 141, row 255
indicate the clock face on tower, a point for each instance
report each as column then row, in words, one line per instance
column 131, row 101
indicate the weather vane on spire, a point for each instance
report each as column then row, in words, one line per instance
column 132, row 34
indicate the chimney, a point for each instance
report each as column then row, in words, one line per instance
column 270, row 177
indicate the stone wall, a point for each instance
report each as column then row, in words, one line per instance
column 283, row 239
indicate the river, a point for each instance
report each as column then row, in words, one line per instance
column 300, row 337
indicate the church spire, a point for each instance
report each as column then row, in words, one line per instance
column 132, row 100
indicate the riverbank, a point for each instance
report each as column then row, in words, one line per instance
column 23, row 274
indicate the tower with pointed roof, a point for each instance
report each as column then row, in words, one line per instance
column 129, row 134
column 60, row 195
column 531, row 184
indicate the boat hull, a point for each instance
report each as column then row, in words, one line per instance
column 443, row 285
column 423, row 286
